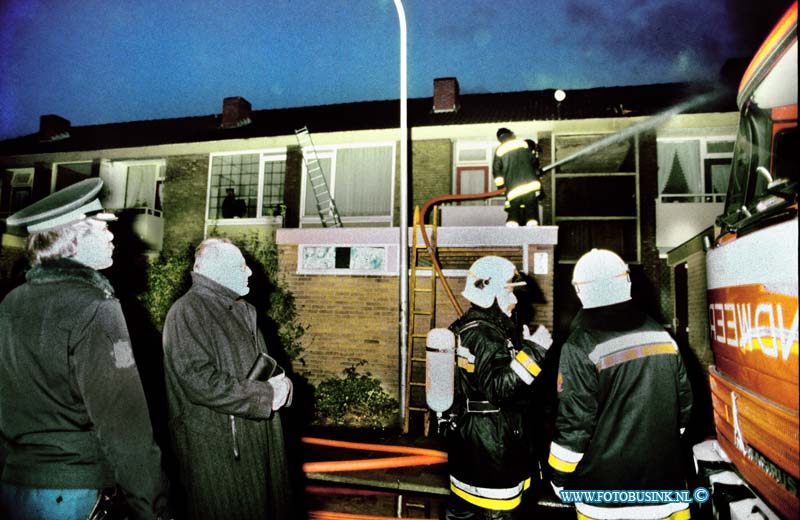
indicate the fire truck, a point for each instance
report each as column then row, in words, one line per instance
column 753, row 281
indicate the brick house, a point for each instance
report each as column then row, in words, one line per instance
column 640, row 195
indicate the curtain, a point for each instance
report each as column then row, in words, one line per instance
column 140, row 190
column 679, row 167
column 364, row 181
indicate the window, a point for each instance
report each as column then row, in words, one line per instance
column 596, row 196
column 360, row 180
column 246, row 185
column 694, row 169
column 473, row 162
column 67, row 174
column 18, row 195
column 133, row 184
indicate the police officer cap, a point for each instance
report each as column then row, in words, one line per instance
column 502, row 132
column 63, row 207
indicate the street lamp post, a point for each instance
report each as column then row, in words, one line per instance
column 401, row 15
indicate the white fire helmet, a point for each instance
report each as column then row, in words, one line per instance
column 601, row 278
column 488, row 279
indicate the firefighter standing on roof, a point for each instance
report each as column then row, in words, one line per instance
column 624, row 398
column 515, row 168
column 491, row 452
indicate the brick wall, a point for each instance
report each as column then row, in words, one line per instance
column 698, row 309
column 350, row 318
column 649, row 293
column 185, row 189
column 546, row 157
column 432, row 168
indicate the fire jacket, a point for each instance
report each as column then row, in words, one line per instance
column 491, row 451
column 515, row 169
column 72, row 408
column 624, row 399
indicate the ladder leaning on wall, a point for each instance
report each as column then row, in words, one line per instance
column 326, row 206
column 421, row 290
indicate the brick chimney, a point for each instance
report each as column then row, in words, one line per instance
column 235, row 112
column 53, row 128
column 445, row 95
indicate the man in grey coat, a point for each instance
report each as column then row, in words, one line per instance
column 225, row 426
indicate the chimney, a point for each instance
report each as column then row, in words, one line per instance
column 53, row 128
column 235, row 112
column 445, row 95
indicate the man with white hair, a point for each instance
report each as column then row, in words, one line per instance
column 624, row 399
column 224, row 422
column 72, row 410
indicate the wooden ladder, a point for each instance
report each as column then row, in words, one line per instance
column 422, row 304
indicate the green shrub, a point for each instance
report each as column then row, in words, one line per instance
column 167, row 279
column 354, row 400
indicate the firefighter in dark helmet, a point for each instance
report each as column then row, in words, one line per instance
column 516, row 169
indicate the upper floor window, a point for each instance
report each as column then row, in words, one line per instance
column 246, row 185
column 360, row 180
column 68, row 173
column 133, row 184
column 694, row 169
column 596, row 196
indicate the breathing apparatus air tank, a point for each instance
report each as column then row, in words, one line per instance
column 440, row 370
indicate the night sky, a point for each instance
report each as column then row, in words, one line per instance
column 106, row 61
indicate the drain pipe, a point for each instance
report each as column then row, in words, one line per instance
column 401, row 15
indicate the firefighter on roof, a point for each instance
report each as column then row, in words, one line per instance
column 516, row 169
column 491, row 452
column 624, row 398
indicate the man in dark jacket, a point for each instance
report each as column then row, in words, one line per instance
column 72, row 409
column 624, row 399
column 516, row 169
column 226, row 432
column 491, row 451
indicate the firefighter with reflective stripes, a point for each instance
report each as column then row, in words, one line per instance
column 491, row 452
column 624, row 398
column 516, row 169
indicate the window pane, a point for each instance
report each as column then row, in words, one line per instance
column 596, row 196
column 310, row 206
column 679, row 167
column 364, row 181
column 615, row 157
column 140, row 188
column 719, row 147
column 234, row 177
column 274, row 177
column 576, row 238
column 472, row 154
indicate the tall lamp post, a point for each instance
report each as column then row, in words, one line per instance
column 401, row 15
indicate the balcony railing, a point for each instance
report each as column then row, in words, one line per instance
column 681, row 217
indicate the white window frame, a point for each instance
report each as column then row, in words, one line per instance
column 265, row 155
column 704, row 155
column 329, row 152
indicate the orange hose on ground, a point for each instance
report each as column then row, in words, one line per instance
column 415, row 457
column 330, row 515
column 366, row 464
column 373, row 447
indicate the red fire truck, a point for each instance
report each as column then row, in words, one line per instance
column 753, row 281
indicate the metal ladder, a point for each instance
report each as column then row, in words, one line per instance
column 418, row 329
column 326, row 207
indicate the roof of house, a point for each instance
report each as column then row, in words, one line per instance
column 625, row 101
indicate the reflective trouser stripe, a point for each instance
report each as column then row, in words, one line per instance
column 499, row 181
column 490, row 498
column 676, row 511
column 563, row 459
column 523, row 189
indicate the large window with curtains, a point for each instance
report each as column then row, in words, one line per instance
column 360, row 180
column 694, row 169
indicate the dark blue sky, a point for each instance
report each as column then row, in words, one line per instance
column 101, row 61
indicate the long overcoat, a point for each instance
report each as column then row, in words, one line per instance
column 210, row 342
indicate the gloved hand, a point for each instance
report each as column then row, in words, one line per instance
column 541, row 337
column 281, row 388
